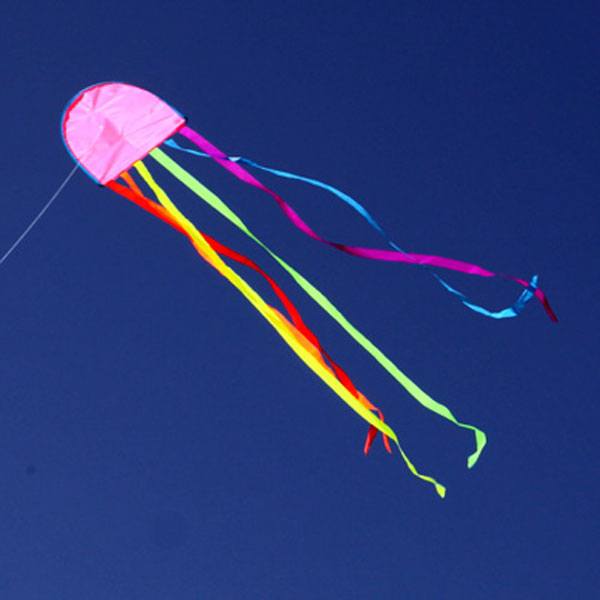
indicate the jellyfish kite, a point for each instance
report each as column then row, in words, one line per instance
column 115, row 131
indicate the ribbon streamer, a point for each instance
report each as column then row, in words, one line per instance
column 363, row 252
column 410, row 386
column 315, row 346
column 510, row 312
column 169, row 213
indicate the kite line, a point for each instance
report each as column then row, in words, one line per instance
column 35, row 220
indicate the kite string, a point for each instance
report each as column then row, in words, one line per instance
column 40, row 214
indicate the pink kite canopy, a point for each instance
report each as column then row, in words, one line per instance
column 110, row 126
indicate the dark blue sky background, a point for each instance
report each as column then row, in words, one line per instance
column 158, row 441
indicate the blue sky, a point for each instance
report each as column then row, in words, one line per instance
column 158, row 441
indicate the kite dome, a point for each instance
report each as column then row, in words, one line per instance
column 109, row 126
